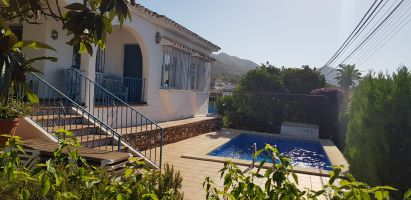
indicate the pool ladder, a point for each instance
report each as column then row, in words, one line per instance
column 254, row 158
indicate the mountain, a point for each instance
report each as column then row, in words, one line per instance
column 329, row 74
column 230, row 68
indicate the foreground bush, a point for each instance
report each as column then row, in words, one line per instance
column 70, row 177
column 378, row 142
column 281, row 183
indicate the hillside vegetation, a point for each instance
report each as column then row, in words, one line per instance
column 229, row 68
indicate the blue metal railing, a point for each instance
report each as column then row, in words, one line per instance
column 135, row 87
column 130, row 90
column 57, row 111
column 139, row 132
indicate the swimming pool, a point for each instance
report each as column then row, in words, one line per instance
column 303, row 153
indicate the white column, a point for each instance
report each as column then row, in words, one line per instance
column 88, row 69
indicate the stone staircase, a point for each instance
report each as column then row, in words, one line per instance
column 53, row 117
column 94, row 123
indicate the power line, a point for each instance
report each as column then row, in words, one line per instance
column 370, row 35
column 383, row 34
column 373, row 32
column 365, row 27
column 382, row 16
column 392, row 36
column 350, row 36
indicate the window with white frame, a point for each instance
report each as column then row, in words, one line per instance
column 181, row 71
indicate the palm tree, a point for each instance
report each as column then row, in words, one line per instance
column 347, row 75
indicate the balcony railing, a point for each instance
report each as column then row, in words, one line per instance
column 130, row 90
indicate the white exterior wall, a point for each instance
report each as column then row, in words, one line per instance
column 162, row 104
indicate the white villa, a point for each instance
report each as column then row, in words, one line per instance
column 153, row 71
column 158, row 66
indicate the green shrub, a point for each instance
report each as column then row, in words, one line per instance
column 267, row 96
column 71, row 177
column 281, row 183
column 15, row 108
column 265, row 112
column 268, row 78
column 378, row 142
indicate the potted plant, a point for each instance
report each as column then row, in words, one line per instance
column 15, row 92
column 10, row 114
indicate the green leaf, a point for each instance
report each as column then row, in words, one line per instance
column 4, row 3
column 83, row 48
column 378, row 195
column 25, row 194
column 30, row 94
column 407, row 195
column 52, row 59
column 150, row 196
column 89, row 48
column 45, row 185
column 34, row 45
column 295, row 177
column 379, row 188
column 76, row 6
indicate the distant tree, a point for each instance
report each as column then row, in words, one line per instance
column 265, row 78
column 302, row 80
column 347, row 75
column 254, row 106
column 268, row 78
column 378, row 140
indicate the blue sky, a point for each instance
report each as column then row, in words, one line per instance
column 284, row 32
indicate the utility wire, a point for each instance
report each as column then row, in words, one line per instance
column 352, row 33
column 373, row 32
column 370, row 35
column 379, row 20
column 384, row 33
column 392, row 36
column 365, row 27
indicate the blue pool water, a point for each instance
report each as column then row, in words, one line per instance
column 303, row 153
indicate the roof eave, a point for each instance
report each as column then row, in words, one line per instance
column 176, row 27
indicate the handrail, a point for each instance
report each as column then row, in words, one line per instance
column 105, row 90
column 141, row 134
column 49, row 99
column 133, row 78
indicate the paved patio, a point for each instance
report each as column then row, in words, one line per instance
column 194, row 171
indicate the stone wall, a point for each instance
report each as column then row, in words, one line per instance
column 149, row 139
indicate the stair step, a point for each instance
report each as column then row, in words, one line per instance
column 76, row 129
column 53, row 110
column 112, row 148
column 51, row 117
column 94, row 141
column 58, row 120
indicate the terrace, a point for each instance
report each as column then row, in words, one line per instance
column 194, row 165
